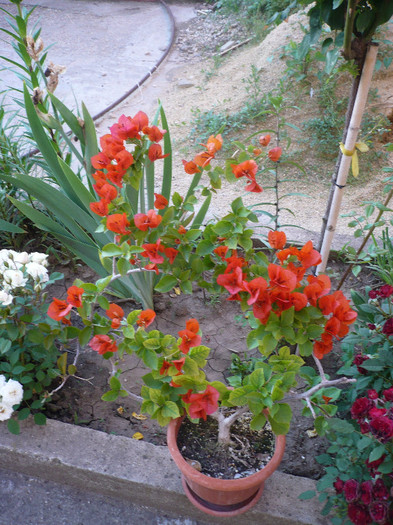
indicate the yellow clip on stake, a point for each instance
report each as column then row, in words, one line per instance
column 361, row 146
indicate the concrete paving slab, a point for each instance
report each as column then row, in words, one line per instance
column 106, row 46
column 139, row 473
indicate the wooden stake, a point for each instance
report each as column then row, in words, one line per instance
column 352, row 135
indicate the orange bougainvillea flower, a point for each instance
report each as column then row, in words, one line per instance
column 324, row 346
column 171, row 254
column 253, row 187
column 275, row 154
column 116, row 313
column 100, row 207
column 144, row 221
column 277, row 240
column 221, row 251
column 203, row 159
column 155, row 153
column 100, row 161
column 141, row 120
column 281, row 280
column 115, row 174
column 264, row 140
column 118, row 223
column 106, row 191
column 74, row 296
column 102, row 344
column 308, row 256
column 124, row 160
column 160, row 202
column 154, row 133
column 262, row 307
column 190, row 167
column 111, row 146
column 298, row 300
column 145, row 318
column 177, row 363
column 189, row 336
column 214, row 144
column 125, row 129
column 204, row 403
column 233, row 282
column 181, row 230
column 58, row 309
column 255, row 288
column 319, row 286
column 256, row 151
column 152, row 252
column 248, row 169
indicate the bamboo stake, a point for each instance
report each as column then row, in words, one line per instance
column 350, row 142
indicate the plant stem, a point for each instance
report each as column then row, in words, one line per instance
column 225, row 423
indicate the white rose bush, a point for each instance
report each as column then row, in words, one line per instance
column 30, row 361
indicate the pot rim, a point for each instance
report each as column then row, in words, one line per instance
column 216, row 483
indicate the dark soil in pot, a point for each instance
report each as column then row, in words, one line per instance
column 248, row 452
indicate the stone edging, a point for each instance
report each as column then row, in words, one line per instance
column 139, row 472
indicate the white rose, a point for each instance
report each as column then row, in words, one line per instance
column 14, row 279
column 12, row 393
column 2, row 381
column 21, row 258
column 37, row 271
column 40, row 258
column 5, row 412
column 4, row 255
column 5, row 299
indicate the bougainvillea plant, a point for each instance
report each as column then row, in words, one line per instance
column 292, row 314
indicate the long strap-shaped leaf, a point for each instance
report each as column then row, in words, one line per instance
column 197, row 222
column 167, row 174
column 91, row 145
column 70, row 214
column 69, row 118
column 44, row 145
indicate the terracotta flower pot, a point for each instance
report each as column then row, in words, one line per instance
column 221, row 497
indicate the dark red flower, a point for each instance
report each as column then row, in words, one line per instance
column 382, row 428
column 372, row 394
column 387, row 328
column 385, row 291
column 366, row 490
column 358, row 360
column 338, row 485
column 380, row 491
column 351, row 490
column 388, row 394
column 372, row 466
column 373, row 294
column 361, row 407
column 359, row 514
column 378, row 511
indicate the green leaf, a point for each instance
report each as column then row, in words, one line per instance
column 166, row 284
column 258, row 422
column 6, row 226
column 111, row 250
column 170, row 409
column 103, row 302
column 308, row 494
column 13, row 426
column 110, row 395
column 115, row 383
column 40, row 419
column 377, row 452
